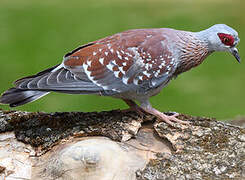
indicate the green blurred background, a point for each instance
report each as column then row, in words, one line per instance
column 35, row 35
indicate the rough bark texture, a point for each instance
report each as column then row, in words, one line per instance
column 117, row 145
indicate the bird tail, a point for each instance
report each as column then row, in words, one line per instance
column 16, row 97
column 56, row 79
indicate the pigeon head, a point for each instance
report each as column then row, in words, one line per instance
column 221, row 37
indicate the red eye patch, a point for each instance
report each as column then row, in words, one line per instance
column 226, row 39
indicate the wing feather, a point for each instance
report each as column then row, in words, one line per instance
column 124, row 62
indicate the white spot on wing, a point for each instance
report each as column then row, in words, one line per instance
column 121, row 69
column 130, row 55
column 163, row 63
column 172, row 61
column 106, row 53
column 141, row 78
column 109, row 46
column 147, row 66
column 101, row 60
column 89, row 63
column 137, row 56
column 94, row 53
column 116, row 73
column 136, row 81
column 153, row 83
column 147, row 74
column 118, row 55
column 110, row 66
column 114, row 62
column 85, row 67
column 125, row 80
column 157, row 73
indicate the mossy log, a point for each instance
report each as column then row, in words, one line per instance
column 117, row 145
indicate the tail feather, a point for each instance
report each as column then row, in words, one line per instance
column 17, row 82
column 16, row 97
column 55, row 79
column 19, row 95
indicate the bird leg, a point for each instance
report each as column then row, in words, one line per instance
column 163, row 117
column 133, row 107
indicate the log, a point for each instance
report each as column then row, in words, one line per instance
column 117, row 145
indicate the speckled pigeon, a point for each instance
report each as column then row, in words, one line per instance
column 132, row 65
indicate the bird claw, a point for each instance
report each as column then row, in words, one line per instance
column 170, row 119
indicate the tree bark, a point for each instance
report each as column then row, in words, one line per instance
column 117, row 145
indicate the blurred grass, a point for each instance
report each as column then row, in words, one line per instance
column 34, row 35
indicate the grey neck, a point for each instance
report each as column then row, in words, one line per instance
column 193, row 50
column 205, row 36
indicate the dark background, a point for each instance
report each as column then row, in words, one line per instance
column 35, row 35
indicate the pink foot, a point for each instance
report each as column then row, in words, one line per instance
column 171, row 120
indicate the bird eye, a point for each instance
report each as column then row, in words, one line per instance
column 226, row 39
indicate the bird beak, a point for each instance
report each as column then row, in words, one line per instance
column 235, row 53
